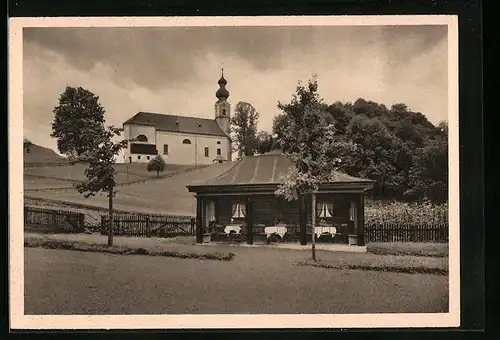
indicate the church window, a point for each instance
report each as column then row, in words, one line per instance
column 147, row 158
column 186, row 141
column 142, row 138
column 218, row 142
column 218, row 151
column 224, row 111
column 165, row 149
column 206, row 152
column 138, row 157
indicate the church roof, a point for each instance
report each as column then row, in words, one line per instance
column 268, row 169
column 181, row 124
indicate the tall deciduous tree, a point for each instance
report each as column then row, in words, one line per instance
column 78, row 121
column 244, row 129
column 308, row 141
column 81, row 134
column 428, row 177
column 157, row 164
column 264, row 142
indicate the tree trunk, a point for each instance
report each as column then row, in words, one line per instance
column 110, row 214
column 157, row 174
column 313, row 223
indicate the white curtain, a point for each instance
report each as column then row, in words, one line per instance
column 211, row 211
column 324, row 209
column 238, row 210
column 352, row 211
column 329, row 208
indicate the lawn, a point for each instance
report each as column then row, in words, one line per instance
column 259, row 280
column 33, row 183
column 147, row 197
column 125, row 173
column 327, row 259
column 409, row 248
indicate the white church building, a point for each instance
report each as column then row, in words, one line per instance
column 180, row 139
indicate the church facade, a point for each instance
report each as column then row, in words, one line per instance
column 180, row 139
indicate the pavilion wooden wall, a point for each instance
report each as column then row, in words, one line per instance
column 267, row 208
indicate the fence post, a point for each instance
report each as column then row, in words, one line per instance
column 81, row 221
column 193, row 224
column 148, row 227
column 103, row 224
column 54, row 218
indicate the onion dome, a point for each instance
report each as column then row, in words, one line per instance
column 222, row 80
column 222, row 92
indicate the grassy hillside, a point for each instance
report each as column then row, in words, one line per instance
column 37, row 154
column 164, row 195
column 126, row 173
column 49, row 176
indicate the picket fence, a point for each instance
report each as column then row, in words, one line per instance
column 52, row 220
column 140, row 225
column 406, row 233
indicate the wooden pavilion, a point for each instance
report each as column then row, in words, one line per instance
column 242, row 204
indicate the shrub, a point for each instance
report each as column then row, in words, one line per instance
column 424, row 213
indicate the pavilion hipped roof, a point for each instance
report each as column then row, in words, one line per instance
column 267, row 170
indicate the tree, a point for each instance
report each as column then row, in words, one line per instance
column 308, row 141
column 377, row 151
column 443, row 128
column 156, row 164
column 93, row 144
column 428, row 177
column 27, row 144
column 280, row 124
column 264, row 142
column 244, row 129
column 78, row 122
column 100, row 173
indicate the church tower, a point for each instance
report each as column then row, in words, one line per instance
column 222, row 106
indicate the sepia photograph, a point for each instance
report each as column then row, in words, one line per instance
column 235, row 172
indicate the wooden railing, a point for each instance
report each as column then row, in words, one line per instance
column 51, row 220
column 142, row 225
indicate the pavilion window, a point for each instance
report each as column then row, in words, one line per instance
column 352, row 211
column 211, row 211
column 324, row 209
column 238, row 210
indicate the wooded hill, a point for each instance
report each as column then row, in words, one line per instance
column 405, row 153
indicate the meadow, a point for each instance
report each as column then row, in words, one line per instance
column 165, row 195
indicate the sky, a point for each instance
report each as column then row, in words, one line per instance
column 175, row 70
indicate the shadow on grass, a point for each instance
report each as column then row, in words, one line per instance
column 120, row 250
column 409, row 249
column 380, row 268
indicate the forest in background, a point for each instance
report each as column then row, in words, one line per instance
column 400, row 149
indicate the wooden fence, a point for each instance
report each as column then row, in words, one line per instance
column 406, row 233
column 148, row 225
column 51, row 220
